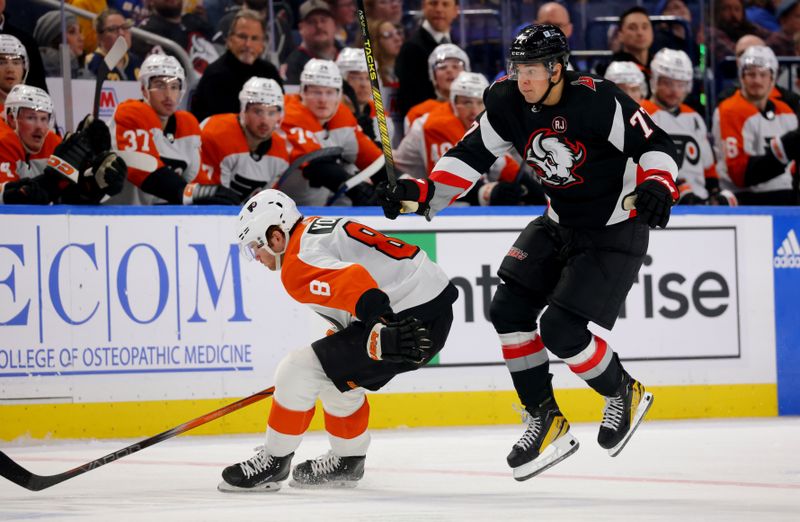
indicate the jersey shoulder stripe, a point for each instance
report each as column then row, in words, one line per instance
column 135, row 114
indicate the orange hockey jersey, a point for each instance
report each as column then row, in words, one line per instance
column 689, row 132
column 330, row 262
column 420, row 110
column 227, row 159
column 136, row 126
column 15, row 162
column 741, row 131
column 431, row 136
column 305, row 134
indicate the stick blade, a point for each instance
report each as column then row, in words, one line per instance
column 17, row 474
column 116, row 53
column 138, row 160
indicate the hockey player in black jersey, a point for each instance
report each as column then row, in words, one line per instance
column 591, row 146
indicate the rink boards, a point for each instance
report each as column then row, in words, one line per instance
column 126, row 321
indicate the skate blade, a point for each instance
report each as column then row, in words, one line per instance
column 560, row 449
column 641, row 411
column 267, row 487
column 333, row 484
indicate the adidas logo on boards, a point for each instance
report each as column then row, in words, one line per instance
column 788, row 254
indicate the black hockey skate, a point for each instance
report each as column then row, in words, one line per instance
column 261, row 473
column 545, row 443
column 328, row 471
column 622, row 414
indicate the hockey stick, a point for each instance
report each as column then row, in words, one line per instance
column 325, row 152
column 110, row 61
column 408, row 207
column 22, row 477
column 361, row 177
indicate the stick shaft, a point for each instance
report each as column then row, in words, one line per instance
column 372, row 68
column 22, row 477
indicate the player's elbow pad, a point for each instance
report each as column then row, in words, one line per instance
column 166, row 184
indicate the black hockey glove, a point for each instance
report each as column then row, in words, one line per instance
column 196, row 194
column 107, row 175
column 403, row 341
column 71, row 157
column 392, row 199
column 653, row 203
column 96, row 132
column 25, row 191
column 504, row 193
column 245, row 187
column 791, row 144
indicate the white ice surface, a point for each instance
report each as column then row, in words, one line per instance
column 721, row 470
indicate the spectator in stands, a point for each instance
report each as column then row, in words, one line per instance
column 782, row 42
column 218, row 89
column 87, row 27
column 556, row 14
column 316, row 118
column 189, row 31
column 134, row 10
column 36, row 167
column 762, row 14
column 756, row 136
column 672, row 74
column 242, row 151
column 730, row 25
column 628, row 77
column 284, row 44
column 793, row 72
column 47, row 34
column 445, row 63
column 435, row 133
column 110, row 25
column 635, row 38
column 671, row 35
column 387, row 40
column 347, row 28
column 412, row 68
column 317, row 30
column 35, row 69
column 156, row 127
column 353, row 65
column 391, row 10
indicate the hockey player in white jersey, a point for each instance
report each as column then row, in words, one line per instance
column 671, row 82
column 391, row 310
column 629, row 78
column 243, row 151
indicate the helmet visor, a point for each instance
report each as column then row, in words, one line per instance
column 249, row 251
column 528, row 70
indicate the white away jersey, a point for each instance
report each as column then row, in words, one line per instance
column 330, row 262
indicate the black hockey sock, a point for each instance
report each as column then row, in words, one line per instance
column 533, row 385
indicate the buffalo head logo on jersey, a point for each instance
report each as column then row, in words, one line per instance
column 554, row 158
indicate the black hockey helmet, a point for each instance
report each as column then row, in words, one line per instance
column 539, row 43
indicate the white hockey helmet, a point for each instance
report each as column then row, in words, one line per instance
column 11, row 46
column 671, row 63
column 351, row 59
column 28, row 97
column 323, row 73
column 267, row 208
column 260, row 90
column 157, row 65
column 627, row 73
column 468, row 84
column 759, row 56
column 443, row 52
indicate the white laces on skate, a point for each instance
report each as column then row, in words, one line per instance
column 256, row 464
column 613, row 413
column 534, row 426
column 325, row 464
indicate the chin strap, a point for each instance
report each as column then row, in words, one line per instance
column 538, row 105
